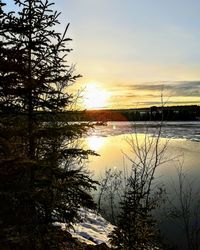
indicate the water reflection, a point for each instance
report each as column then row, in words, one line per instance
column 112, row 148
column 95, row 143
column 178, row 151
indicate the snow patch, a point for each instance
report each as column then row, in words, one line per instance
column 93, row 229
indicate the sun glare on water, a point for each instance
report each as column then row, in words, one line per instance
column 95, row 143
column 95, row 97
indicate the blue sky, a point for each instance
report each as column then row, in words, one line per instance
column 120, row 45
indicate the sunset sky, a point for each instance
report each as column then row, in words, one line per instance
column 132, row 50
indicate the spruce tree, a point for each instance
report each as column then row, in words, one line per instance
column 136, row 229
column 42, row 179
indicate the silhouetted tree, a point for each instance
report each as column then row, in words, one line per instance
column 42, row 178
column 136, row 227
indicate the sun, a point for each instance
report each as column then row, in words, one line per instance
column 95, row 97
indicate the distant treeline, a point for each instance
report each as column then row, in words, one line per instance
column 171, row 113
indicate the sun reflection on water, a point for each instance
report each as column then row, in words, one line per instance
column 95, row 143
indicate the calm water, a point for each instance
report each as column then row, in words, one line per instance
column 183, row 148
column 110, row 142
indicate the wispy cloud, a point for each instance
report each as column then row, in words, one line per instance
column 149, row 93
column 182, row 88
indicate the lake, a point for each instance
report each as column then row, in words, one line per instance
column 183, row 149
column 110, row 142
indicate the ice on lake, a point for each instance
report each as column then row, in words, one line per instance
column 188, row 130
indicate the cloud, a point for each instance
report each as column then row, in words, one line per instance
column 188, row 89
column 179, row 88
column 149, row 93
column 168, row 103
